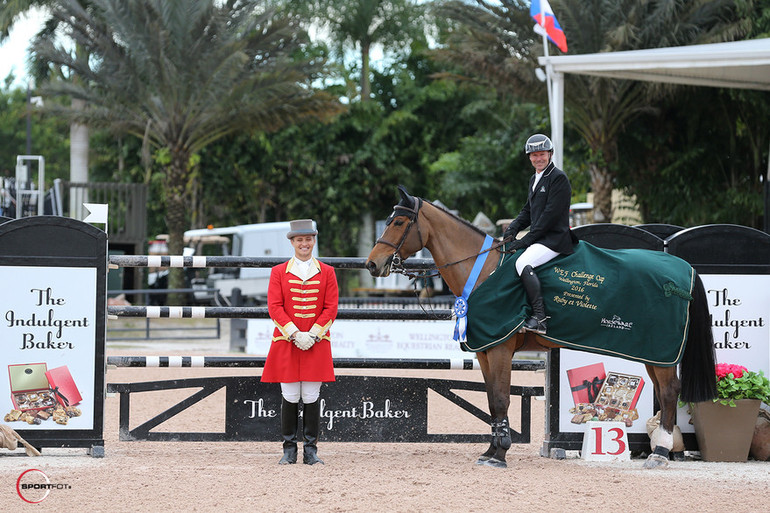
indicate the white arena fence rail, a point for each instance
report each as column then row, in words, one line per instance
column 434, row 308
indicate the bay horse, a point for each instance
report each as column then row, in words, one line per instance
column 454, row 243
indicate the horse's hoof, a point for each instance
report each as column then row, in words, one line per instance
column 678, row 456
column 495, row 463
column 483, row 459
column 656, row 461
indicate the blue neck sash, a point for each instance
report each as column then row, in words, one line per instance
column 461, row 302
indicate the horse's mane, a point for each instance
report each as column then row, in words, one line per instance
column 463, row 221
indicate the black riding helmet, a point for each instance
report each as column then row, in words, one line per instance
column 538, row 142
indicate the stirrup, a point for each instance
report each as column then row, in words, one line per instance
column 537, row 326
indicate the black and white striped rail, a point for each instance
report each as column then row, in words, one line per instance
column 260, row 312
column 339, row 363
column 235, row 261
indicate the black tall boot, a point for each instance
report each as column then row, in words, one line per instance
column 531, row 283
column 311, row 423
column 289, row 423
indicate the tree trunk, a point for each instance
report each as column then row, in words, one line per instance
column 79, row 147
column 176, row 203
column 365, row 244
column 601, row 184
column 366, row 87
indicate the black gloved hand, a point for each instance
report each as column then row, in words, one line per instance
column 515, row 245
column 511, row 231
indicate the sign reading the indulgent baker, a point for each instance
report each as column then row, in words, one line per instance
column 738, row 306
column 739, row 310
column 47, row 335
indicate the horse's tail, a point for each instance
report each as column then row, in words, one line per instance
column 697, row 368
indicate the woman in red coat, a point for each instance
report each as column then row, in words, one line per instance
column 302, row 302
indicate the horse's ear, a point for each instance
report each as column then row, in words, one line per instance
column 405, row 196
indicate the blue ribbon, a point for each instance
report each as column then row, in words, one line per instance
column 461, row 302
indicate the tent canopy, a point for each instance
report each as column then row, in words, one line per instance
column 739, row 64
column 736, row 64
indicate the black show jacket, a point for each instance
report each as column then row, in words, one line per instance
column 547, row 212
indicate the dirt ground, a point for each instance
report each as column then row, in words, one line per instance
column 229, row 476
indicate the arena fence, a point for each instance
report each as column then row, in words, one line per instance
column 354, row 408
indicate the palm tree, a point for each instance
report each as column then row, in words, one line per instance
column 359, row 25
column 10, row 12
column 180, row 75
column 598, row 108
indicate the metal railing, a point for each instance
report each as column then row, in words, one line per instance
column 208, row 331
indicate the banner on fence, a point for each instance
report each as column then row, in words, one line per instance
column 373, row 339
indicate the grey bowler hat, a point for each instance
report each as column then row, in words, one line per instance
column 301, row 227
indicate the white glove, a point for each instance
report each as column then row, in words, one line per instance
column 303, row 340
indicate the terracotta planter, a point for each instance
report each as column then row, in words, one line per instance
column 724, row 433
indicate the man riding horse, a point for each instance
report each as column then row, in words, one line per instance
column 546, row 213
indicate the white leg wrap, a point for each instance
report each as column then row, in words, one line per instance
column 661, row 437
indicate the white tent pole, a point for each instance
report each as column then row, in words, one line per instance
column 557, row 116
column 766, row 185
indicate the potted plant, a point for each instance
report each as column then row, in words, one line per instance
column 724, row 427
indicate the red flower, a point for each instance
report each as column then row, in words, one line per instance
column 723, row 369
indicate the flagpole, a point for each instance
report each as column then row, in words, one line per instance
column 548, row 85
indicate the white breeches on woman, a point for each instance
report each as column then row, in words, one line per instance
column 535, row 255
column 308, row 391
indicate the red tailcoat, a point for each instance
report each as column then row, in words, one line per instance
column 309, row 305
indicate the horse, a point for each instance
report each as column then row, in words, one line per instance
column 454, row 243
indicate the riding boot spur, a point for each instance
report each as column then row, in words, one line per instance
column 311, row 423
column 289, row 425
column 537, row 322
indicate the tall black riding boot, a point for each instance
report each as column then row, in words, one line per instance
column 289, row 423
column 311, row 423
column 531, row 283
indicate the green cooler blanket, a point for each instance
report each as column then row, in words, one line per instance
column 629, row 303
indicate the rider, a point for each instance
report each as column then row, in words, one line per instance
column 546, row 212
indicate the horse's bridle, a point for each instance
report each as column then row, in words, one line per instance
column 396, row 262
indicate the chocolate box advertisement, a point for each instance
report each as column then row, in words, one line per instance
column 48, row 352
column 602, row 388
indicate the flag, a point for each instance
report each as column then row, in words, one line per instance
column 97, row 213
column 541, row 12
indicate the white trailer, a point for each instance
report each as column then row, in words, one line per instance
column 253, row 240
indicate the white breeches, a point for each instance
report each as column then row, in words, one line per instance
column 308, row 391
column 535, row 255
